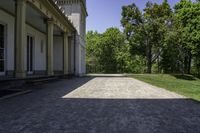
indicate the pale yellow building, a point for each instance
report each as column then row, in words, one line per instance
column 42, row 37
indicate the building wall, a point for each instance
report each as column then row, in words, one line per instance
column 71, row 55
column 75, row 12
column 72, row 10
column 83, row 52
column 39, row 51
column 80, row 56
column 39, row 39
column 39, row 46
column 58, row 53
column 9, row 21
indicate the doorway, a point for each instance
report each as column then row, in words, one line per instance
column 2, row 49
column 30, row 42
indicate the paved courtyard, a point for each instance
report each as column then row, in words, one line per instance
column 99, row 105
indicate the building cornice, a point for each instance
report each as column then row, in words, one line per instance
column 52, row 11
column 84, row 6
column 82, row 3
column 62, row 14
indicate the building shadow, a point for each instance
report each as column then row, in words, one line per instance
column 45, row 111
column 132, row 115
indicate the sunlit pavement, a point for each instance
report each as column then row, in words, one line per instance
column 103, row 104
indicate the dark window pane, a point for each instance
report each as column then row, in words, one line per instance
column 28, row 53
column 31, row 54
column 42, row 46
column 1, row 53
column 1, row 36
column 1, row 29
column 1, row 66
column 1, row 44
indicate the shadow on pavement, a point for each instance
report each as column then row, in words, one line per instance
column 44, row 111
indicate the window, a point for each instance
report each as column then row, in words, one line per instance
column 30, row 42
column 2, row 48
column 42, row 46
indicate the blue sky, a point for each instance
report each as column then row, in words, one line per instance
column 107, row 13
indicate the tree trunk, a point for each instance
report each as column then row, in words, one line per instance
column 185, row 67
column 149, row 66
column 189, row 63
column 159, row 70
column 149, row 59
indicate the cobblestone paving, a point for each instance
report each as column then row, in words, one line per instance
column 99, row 105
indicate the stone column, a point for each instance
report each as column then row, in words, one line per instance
column 50, row 27
column 72, row 52
column 66, row 54
column 69, row 55
column 73, row 60
column 78, row 56
column 20, row 35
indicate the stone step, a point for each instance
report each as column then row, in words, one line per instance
column 4, row 94
column 41, row 80
column 11, row 84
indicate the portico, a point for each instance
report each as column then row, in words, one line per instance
column 36, row 39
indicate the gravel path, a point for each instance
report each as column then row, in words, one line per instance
column 99, row 105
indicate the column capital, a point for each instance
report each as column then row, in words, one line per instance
column 70, row 34
column 50, row 21
column 21, row 1
column 65, row 33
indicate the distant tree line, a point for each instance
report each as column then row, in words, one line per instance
column 158, row 39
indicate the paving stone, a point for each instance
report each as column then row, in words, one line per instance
column 99, row 105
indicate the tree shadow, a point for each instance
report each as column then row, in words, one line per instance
column 184, row 77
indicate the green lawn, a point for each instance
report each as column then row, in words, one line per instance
column 186, row 85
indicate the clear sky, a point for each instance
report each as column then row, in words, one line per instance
column 107, row 13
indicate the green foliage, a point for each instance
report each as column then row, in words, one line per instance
column 167, row 39
column 158, row 40
column 145, row 31
column 109, row 53
column 188, row 14
column 111, row 43
column 92, row 55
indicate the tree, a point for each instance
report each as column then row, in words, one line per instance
column 93, row 40
column 146, row 31
column 111, row 43
column 173, row 50
column 158, row 38
column 188, row 15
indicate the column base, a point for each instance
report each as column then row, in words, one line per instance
column 20, row 75
column 50, row 73
column 66, row 73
